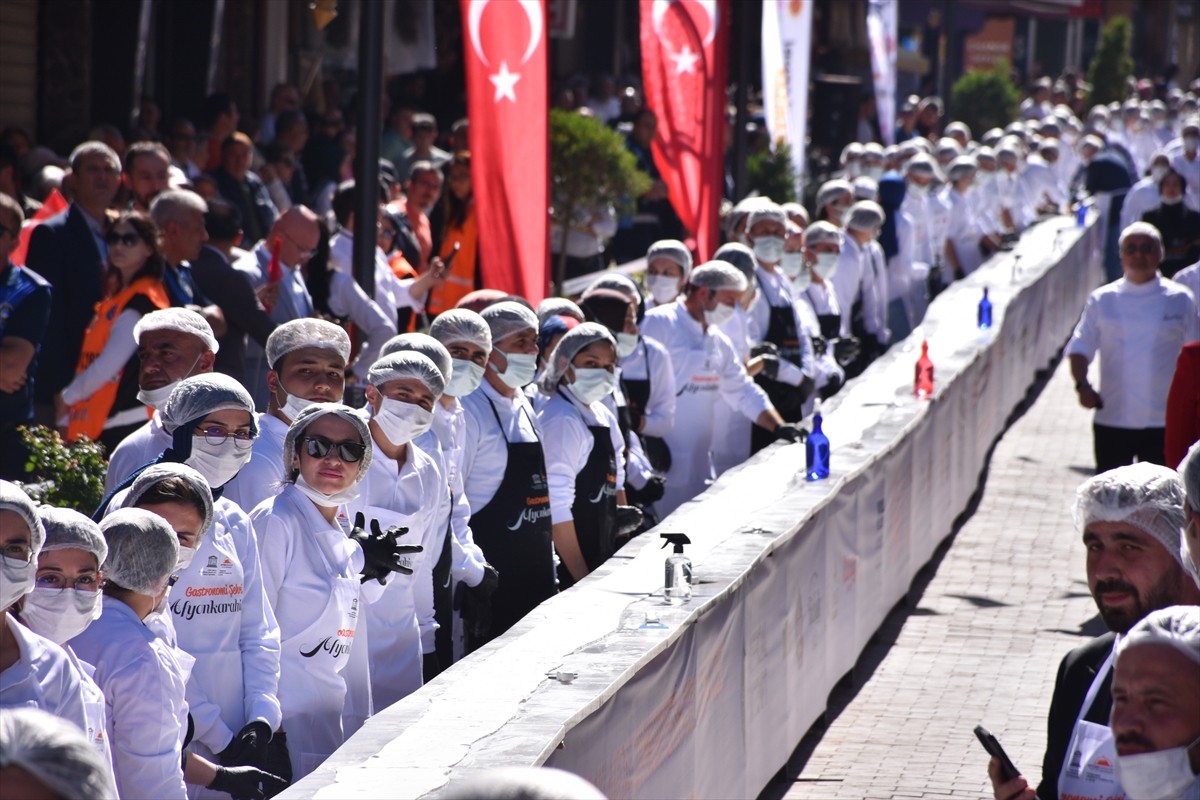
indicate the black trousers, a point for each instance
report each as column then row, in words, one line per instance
column 1117, row 447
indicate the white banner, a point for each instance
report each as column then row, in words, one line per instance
column 882, row 30
column 786, row 49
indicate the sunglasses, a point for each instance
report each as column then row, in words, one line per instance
column 348, row 451
column 127, row 239
column 1145, row 248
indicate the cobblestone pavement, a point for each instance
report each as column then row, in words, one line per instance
column 996, row 613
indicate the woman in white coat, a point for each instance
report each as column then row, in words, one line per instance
column 314, row 566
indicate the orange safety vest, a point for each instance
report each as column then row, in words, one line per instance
column 87, row 417
column 460, row 281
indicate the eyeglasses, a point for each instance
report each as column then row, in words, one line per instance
column 56, row 583
column 18, row 551
column 127, row 239
column 348, row 451
column 304, row 253
column 1145, row 248
column 217, row 436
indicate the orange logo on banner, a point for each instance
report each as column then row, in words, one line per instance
column 994, row 42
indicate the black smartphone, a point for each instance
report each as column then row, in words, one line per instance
column 992, row 745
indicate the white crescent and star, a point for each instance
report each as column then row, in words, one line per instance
column 503, row 79
column 685, row 60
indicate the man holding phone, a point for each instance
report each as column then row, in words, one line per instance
column 1130, row 518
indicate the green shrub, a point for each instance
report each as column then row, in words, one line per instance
column 985, row 100
column 1112, row 64
column 771, row 174
column 69, row 476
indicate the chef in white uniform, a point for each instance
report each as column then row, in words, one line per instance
column 706, row 368
column 963, row 230
column 173, row 344
column 828, row 375
column 307, row 364
column 404, row 487
column 314, row 560
column 668, row 262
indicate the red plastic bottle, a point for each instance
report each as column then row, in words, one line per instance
column 923, row 383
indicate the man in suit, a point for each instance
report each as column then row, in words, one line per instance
column 68, row 250
column 1130, row 518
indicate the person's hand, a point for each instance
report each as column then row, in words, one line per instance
column 1016, row 789
column 382, row 553
column 845, row 351
column 247, row 782
column 249, row 746
column 438, row 269
column 629, row 519
column 652, row 492
column 791, row 432
column 268, row 174
column 475, row 603
column 1089, row 397
column 268, row 294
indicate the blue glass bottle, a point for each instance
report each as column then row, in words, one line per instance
column 816, row 451
column 985, row 311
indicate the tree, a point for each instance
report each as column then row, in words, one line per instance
column 986, row 100
column 589, row 168
column 771, row 174
column 66, row 475
column 1112, row 64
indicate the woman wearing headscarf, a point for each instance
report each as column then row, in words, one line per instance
column 318, row 569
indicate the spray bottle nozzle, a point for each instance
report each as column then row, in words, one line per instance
column 677, row 539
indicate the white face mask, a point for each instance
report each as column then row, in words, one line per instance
column 60, row 614
column 402, row 422
column 792, row 265
column 184, row 559
column 853, row 170
column 663, row 288
column 1171, row 201
column 520, row 371
column 874, row 173
column 983, row 178
column 719, row 315
column 626, row 344
column 917, row 190
column 826, row 265
column 1158, row 171
column 592, row 384
column 156, row 398
column 768, row 249
column 218, row 463
column 16, row 579
column 465, row 378
column 293, row 405
column 1152, row 776
column 1191, row 143
column 347, row 495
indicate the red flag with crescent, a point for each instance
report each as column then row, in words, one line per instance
column 507, row 103
column 685, row 63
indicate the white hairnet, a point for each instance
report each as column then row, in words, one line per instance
column 183, row 320
column 795, row 210
column 408, row 364
column 509, row 317
column 866, row 188
column 12, row 498
column 1189, row 471
column 461, row 325
column 961, row 167
column 718, row 275
column 822, row 232
column 739, row 255
column 865, row 215
column 922, row 164
column 851, row 151
column 674, row 251
column 54, row 751
column 424, row 344
column 985, row 153
column 1146, row 496
column 357, row 418
column 958, row 127
column 67, row 528
column 306, row 332
column 157, row 473
column 142, row 550
column 771, row 212
column 948, row 148
column 573, row 341
column 832, row 190
column 201, row 395
column 558, row 307
column 1049, row 143
column 1141, row 229
column 620, row 282
column 1174, row 626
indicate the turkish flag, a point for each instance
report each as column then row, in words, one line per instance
column 55, row 203
column 507, row 103
column 685, row 62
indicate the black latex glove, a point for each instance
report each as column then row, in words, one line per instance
column 629, row 519
column 652, row 492
column 845, row 351
column 819, row 345
column 764, row 349
column 475, row 603
column 791, row 432
column 770, row 365
column 248, row 746
column 831, row 388
column 246, row 782
column 381, row 551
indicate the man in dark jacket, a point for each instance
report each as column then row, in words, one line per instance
column 244, row 190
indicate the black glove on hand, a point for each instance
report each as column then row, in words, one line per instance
column 475, row 602
column 764, row 349
column 791, row 432
column 770, row 365
column 246, row 782
column 845, row 350
column 652, row 492
column 381, row 551
column 248, row 746
column 819, row 345
column 629, row 519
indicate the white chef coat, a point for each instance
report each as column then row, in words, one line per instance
column 391, row 293
column 311, row 578
column 144, row 683
column 651, row 360
column 347, row 299
column 737, row 330
column 1190, row 277
column 263, row 475
column 42, row 677
column 875, row 292
column 847, row 279
column 466, row 557
column 930, row 216
column 1142, row 197
column 825, row 366
column 137, row 449
column 963, row 231
column 985, row 203
column 1190, row 170
column 93, row 708
column 1138, row 330
column 564, row 422
column 706, row 367
column 416, row 496
column 1011, row 195
column 485, row 446
column 1040, row 183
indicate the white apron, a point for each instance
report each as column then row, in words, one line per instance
column 1089, row 769
column 690, row 440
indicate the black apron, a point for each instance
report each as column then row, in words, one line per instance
column 595, row 508
column 514, row 532
column 787, row 399
column 637, row 395
column 443, row 602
